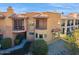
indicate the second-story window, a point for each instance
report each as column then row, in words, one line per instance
column 18, row 24
column 76, row 22
column 41, row 23
column 68, row 23
column 71, row 22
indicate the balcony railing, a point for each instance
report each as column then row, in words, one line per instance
column 17, row 28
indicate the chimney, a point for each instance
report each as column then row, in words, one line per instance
column 0, row 12
column 10, row 10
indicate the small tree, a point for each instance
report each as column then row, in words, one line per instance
column 39, row 47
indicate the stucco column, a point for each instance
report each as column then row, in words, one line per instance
column 65, row 26
column 74, row 24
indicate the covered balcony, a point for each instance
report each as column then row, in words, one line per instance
column 41, row 21
column 19, row 23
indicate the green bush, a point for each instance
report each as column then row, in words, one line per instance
column 17, row 39
column 6, row 43
column 39, row 47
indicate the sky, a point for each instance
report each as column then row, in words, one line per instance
column 41, row 7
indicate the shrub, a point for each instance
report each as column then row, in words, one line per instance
column 39, row 47
column 6, row 43
column 17, row 39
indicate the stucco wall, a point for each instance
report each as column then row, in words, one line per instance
column 53, row 21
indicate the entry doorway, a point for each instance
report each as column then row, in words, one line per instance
column 21, row 35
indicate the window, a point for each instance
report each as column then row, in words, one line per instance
column 40, row 36
column 36, row 35
column 68, row 23
column 71, row 22
column 76, row 22
column 18, row 24
column 41, row 23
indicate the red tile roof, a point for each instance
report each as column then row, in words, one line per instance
column 18, row 16
column 4, row 13
column 40, row 16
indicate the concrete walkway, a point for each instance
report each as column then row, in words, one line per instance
column 57, row 48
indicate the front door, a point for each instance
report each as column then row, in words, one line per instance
column 21, row 35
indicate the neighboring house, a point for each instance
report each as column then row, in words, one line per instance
column 32, row 26
column 69, row 23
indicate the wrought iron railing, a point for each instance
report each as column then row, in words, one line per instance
column 18, row 28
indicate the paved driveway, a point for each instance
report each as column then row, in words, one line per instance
column 57, row 48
